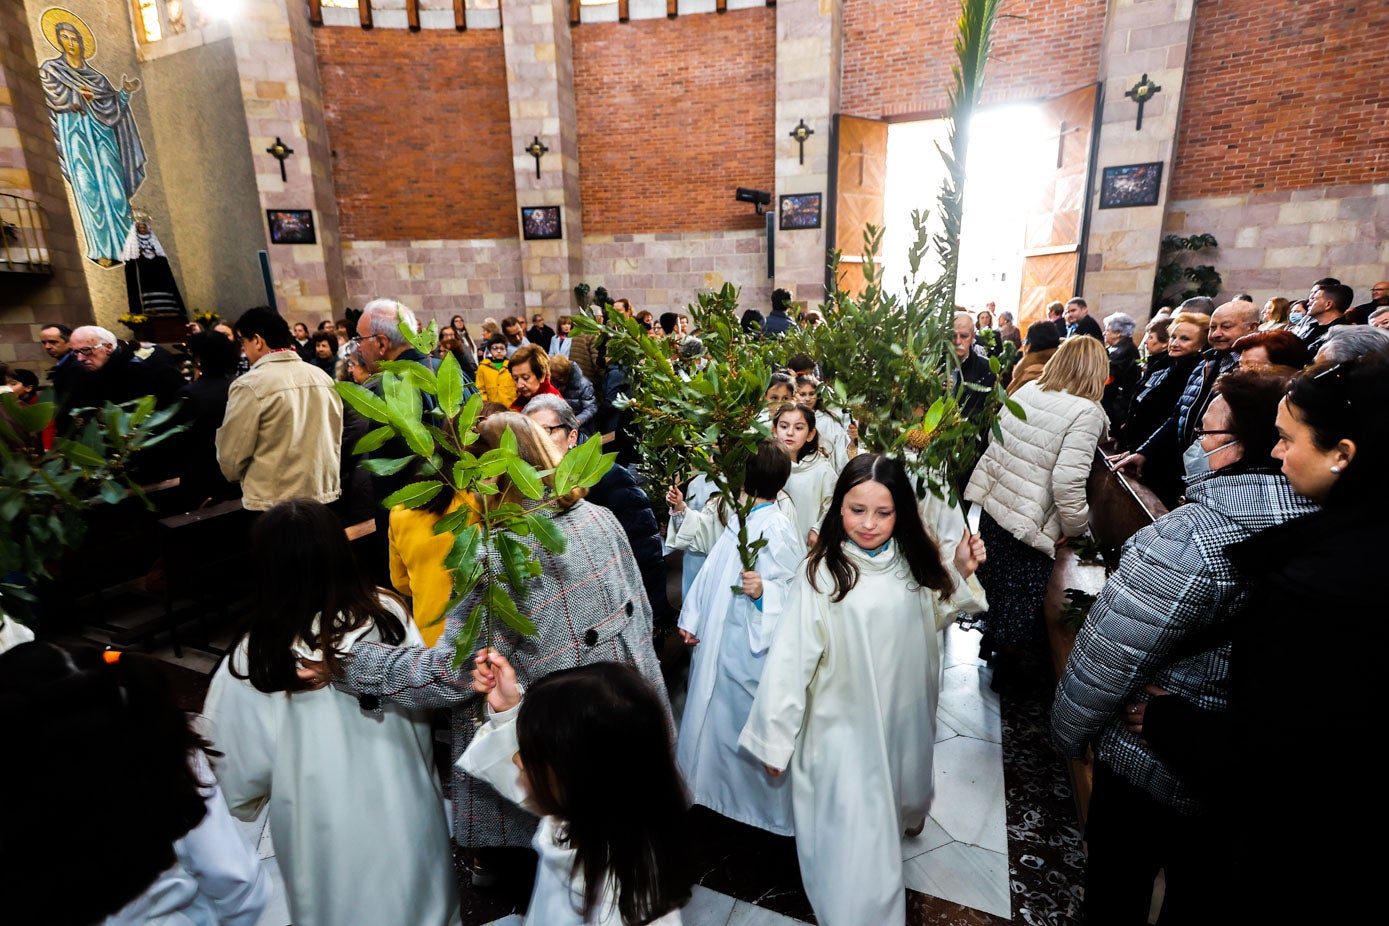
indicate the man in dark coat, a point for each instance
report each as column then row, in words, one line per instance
column 780, row 321
column 539, row 333
column 116, row 371
column 1078, row 320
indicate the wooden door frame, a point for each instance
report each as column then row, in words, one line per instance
column 1091, row 171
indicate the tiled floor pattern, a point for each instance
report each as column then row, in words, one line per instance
column 957, row 871
column 958, row 867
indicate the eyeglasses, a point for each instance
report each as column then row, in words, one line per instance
column 88, row 351
column 1202, row 432
column 552, row 428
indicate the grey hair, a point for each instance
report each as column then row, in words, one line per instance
column 1203, row 305
column 1006, row 316
column 1120, row 323
column 102, row 335
column 383, row 316
column 1346, row 342
column 555, row 404
column 1378, row 313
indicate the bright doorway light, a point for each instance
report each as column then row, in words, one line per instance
column 1004, row 164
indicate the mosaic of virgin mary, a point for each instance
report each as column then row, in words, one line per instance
column 98, row 142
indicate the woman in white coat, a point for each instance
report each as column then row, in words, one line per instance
column 356, row 810
column 847, row 701
column 1031, row 486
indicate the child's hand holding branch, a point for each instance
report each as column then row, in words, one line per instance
column 752, row 584
column 969, row 554
column 494, row 676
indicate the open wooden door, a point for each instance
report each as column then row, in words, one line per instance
column 1054, row 240
column 858, row 173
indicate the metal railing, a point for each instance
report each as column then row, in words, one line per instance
column 23, row 236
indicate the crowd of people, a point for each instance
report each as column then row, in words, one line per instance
column 815, row 666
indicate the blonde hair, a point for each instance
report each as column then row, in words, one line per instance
column 1199, row 319
column 1079, row 367
column 533, row 445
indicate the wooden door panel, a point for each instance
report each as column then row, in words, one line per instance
column 1055, row 226
column 1045, row 278
column 859, row 177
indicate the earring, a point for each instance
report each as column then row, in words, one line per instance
column 1335, row 469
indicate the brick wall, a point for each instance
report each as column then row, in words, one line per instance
column 898, row 53
column 1284, row 95
column 673, row 115
column 421, row 133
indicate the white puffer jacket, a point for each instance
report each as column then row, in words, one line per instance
column 1032, row 482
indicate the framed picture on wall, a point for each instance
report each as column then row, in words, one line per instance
column 1131, row 185
column 291, row 226
column 799, row 210
column 541, row 222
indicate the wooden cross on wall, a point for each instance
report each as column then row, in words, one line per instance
column 862, row 155
column 1062, row 131
column 1141, row 93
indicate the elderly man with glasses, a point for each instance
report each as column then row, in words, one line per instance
column 113, row 371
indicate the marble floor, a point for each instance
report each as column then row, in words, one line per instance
column 958, row 865
column 1001, row 844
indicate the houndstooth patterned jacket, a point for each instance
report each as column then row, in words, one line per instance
column 1163, row 619
column 589, row 606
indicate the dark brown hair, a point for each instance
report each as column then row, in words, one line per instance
column 625, row 817
column 1253, row 397
column 304, row 568
column 100, row 771
column 914, row 545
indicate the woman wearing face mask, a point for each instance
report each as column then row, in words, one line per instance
column 1161, row 620
column 1333, row 428
column 1297, row 312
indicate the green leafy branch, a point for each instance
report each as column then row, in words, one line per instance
column 697, row 416
column 45, row 493
column 1076, row 608
column 489, row 565
column 891, row 361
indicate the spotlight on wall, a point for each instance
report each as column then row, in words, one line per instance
column 758, row 198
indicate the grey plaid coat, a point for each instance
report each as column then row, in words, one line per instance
column 1163, row 619
column 589, row 606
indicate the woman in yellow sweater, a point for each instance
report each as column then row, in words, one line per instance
column 417, row 561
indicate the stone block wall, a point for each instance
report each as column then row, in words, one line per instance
column 898, row 53
column 1284, row 95
column 673, row 116
column 1277, row 243
column 664, row 272
column 438, row 278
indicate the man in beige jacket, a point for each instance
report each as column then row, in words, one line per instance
column 281, row 437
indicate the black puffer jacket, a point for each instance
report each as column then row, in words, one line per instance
column 1295, row 766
